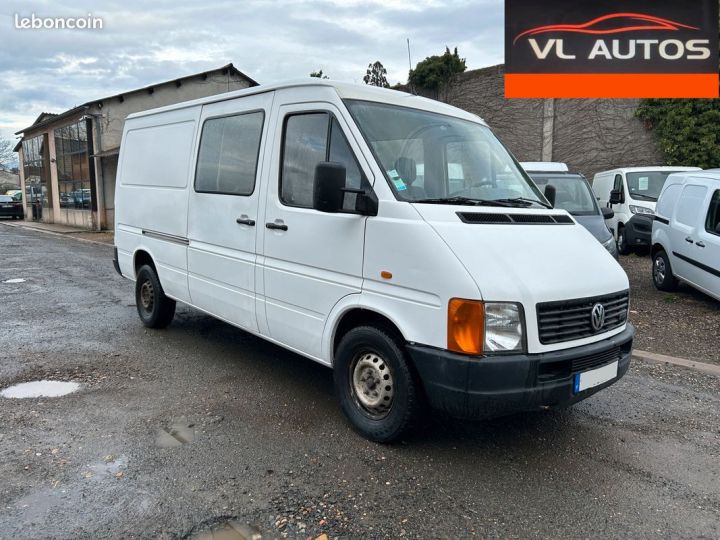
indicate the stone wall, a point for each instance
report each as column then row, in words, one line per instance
column 590, row 135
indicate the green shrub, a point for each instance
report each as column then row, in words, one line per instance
column 687, row 130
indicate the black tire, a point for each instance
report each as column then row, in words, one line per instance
column 154, row 308
column 622, row 245
column 662, row 275
column 385, row 360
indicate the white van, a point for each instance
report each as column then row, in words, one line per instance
column 632, row 192
column 388, row 236
column 686, row 233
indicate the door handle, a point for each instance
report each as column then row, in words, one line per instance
column 689, row 240
column 276, row 226
column 700, row 244
column 244, row 220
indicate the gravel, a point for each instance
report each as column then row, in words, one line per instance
column 684, row 323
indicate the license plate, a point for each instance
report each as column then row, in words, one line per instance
column 7, row 205
column 595, row 377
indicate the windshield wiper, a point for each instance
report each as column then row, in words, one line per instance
column 466, row 200
column 525, row 200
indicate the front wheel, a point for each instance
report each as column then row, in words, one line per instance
column 378, row 391
column 623, row 247
column 662, row 272
column 155, row 309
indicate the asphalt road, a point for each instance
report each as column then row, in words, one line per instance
column 177, row 431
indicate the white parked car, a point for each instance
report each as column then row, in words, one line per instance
column 632, row 192
column 388, row 236
column 686, row 233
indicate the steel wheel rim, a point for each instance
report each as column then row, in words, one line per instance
column 147, row 296
column 372, row 384
column 659, row 270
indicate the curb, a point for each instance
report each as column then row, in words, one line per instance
column 61, row 235
column 712, row 369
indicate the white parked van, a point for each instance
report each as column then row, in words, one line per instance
column 388, row 236
column 632, row 192
column 686, row 233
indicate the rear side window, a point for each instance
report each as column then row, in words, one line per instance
column 309, row 139
column 228, row 156
column 712, row 222
column 667, row 200
column 689, row 206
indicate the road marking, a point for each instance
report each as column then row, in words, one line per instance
column 664, row 359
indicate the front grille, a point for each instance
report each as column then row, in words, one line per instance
column 568, row 320
column 592, row 361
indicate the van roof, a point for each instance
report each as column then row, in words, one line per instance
column 711, row 174
column 544, row 166
column 344, row 90
column 649, row 169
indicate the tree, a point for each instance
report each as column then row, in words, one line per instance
column 7, row 155
column 687, row 130
column 436, row 72
column 319, row 75
column 376, row 75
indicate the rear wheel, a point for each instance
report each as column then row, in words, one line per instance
column 378, row 391
column 662, row 272
column 155, row 309
column 623, row 247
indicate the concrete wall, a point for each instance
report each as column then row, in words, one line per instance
column 114, row 111
column 591, row 135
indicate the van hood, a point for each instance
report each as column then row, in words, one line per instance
column 527, row 263
column 596, row 225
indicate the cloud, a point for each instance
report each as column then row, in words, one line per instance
column 142, row 43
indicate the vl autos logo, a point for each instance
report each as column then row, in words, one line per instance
column 628, row 49
column 566, row 48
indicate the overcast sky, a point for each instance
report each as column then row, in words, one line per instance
column 148, row 42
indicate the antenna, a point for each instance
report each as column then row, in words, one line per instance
column 410, row 66
column 409, row 61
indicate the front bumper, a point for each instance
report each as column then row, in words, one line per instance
column 638, row 230
column 482, row 387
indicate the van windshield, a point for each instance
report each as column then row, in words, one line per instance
column 433, row 158
column 646, row 186
column 572, row 193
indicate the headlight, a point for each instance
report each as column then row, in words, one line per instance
column 476, row 327
column 611, row 246
column 503, row 327
column 641, row 210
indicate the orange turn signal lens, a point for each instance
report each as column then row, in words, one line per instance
column 465, row 326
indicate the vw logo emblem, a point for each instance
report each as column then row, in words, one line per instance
column 597, row 317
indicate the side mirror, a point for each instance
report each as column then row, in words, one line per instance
column 607, row 213
column 329, row 191
column 550, row 193
column 616, row 197
column 328, row 187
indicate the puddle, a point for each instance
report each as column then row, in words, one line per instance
column 175, row 435
column 14, row 280
column 35, row 389
column 111, row 466
column 231, row 530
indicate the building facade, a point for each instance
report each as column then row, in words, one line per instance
column 68, row 161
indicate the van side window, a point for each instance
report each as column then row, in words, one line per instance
column 618, row 185
column 305, row 145
column 689, row 205
column 228, row 155
column 712, row 222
